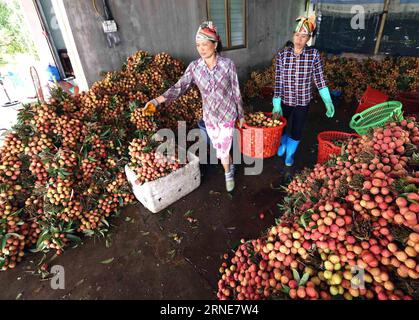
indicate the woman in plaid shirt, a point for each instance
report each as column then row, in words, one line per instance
column 216, row 78
column 297, row 66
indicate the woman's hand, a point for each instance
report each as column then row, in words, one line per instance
column 151, row 106
column 240, row 123
column 327, row 99
column 277, row 106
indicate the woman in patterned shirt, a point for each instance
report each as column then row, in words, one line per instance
column 297, row 66
column 216, row 78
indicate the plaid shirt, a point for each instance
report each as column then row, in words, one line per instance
column 220, row 91
column 294, row 75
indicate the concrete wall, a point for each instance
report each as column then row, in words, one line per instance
column 170, row 26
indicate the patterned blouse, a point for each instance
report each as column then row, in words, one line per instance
column 220, row 91
column 294, row 75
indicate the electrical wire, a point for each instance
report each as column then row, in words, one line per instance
column 97, row 11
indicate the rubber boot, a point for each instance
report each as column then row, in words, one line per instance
column 229, row 181
column 283, row 146
column 291, row 148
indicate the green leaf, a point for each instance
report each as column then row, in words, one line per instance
column 64, row 173
column 303, row 221
column 107, row 261
column 108, row 242
column 2, row 262
column 105, row 222
column 3, row 243
column 410, row 188
column 13, row 234
column 88, row 232
column 188, row 213
column 304, row 279
column 296, row 275
column 73, row 238
column 286, row 289
column 39, row 244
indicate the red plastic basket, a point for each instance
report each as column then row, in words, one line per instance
column 256, row 142
column 371, row 98
column 410, row 102
column 326, row 145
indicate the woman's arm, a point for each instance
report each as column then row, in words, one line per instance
column 174, row 92
column 179, row 88
column 278, row 76
column 236, row 91
column 318, row 73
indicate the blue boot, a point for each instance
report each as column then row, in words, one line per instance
column 291, row 148
column 283, row 146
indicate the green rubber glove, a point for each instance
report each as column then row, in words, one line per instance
column 327, row 99
column 277, row 106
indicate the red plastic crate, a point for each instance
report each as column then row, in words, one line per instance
column 410, row 102
column 326, row 146
column 371, row 98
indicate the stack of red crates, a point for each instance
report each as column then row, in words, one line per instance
column 371, row 98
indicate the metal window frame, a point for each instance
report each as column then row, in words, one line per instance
column 53, row 48
column 228, row 46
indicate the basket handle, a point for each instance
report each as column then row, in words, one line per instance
column 356, row 118
column 397, row 113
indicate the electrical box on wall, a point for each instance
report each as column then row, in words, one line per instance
column 109, row 26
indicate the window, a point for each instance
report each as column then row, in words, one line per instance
column 230, row 18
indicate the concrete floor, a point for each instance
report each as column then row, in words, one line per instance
column 147, row 263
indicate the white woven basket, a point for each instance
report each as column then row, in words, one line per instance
column 159, row 194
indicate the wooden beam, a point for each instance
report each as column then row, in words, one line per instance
column 382, row 24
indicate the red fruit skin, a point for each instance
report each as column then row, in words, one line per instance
column 301, row 293
column 382, row 296
column 312, row 293
column 306, row 245
column 348, row 220
column 293, row 284
column 324, row 295
column 414, row 207
column 350, row 239
column 375, row 249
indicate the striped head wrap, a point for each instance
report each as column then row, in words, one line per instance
column 207, row 31
column 306, row 25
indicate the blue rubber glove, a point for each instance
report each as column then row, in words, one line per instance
column 327, row 99
column 277, row 106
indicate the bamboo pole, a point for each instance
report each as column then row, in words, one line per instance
column 382, row 24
